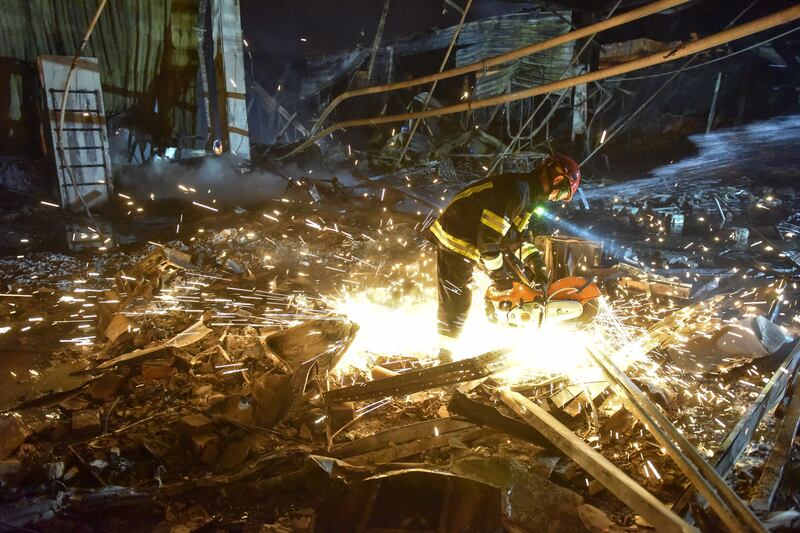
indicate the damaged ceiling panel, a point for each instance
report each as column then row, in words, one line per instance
column 330, row 69
column 476, row 41
column 492, row 37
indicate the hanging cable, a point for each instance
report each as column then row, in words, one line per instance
column 428, row 97
column 546, row 96
column 660, row 89
column 59, row 135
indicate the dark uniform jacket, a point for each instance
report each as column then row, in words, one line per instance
column 478, row 217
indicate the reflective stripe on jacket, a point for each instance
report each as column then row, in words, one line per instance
column 479, row 216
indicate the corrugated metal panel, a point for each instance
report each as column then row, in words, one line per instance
column 503, row 34
column 146, row 48
column 179, row 67
column 430, row 40
column 478, row 40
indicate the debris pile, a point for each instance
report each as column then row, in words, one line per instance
column 278, row 367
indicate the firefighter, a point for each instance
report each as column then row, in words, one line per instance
column 470, row 230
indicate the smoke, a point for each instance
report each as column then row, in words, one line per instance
column 218, row 181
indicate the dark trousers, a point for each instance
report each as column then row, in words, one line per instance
column 453, row 273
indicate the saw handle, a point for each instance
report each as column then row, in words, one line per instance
column 518, row 293
column 573, row 288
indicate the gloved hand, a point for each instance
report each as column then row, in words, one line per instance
column 503, row 284
column 541, row 277
column 500, row 275
column 535, row 264
column 501, row 279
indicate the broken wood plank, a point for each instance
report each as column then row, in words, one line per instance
column 485, row 415
column 417, row 446
column 614, row 479
column 399, row 435
column 729, row 507
column 773, row 470
column 424, row 379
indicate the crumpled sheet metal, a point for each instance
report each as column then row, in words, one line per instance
column 323, row 341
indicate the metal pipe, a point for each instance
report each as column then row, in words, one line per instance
column 629, row 16
column 378, row 37
column 433, row 85
column 712, row 111
column 729, row 507
column 700, row 45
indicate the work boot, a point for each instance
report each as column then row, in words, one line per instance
column 447, row 345
column 445, row 356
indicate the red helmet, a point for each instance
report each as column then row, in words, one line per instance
column 562, row 174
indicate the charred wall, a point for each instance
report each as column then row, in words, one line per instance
column 148, row 63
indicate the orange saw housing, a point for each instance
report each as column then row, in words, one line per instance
column 570, row 288
column 570, row 298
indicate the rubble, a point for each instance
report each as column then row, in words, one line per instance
column 195, row 424
column 86, row 423
column 13, row 433
column 208, row 379
column 595, row 464
column 420, row 380
column 245, row 336
column 763, row 493
column 106, row 386
column 279, row 357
